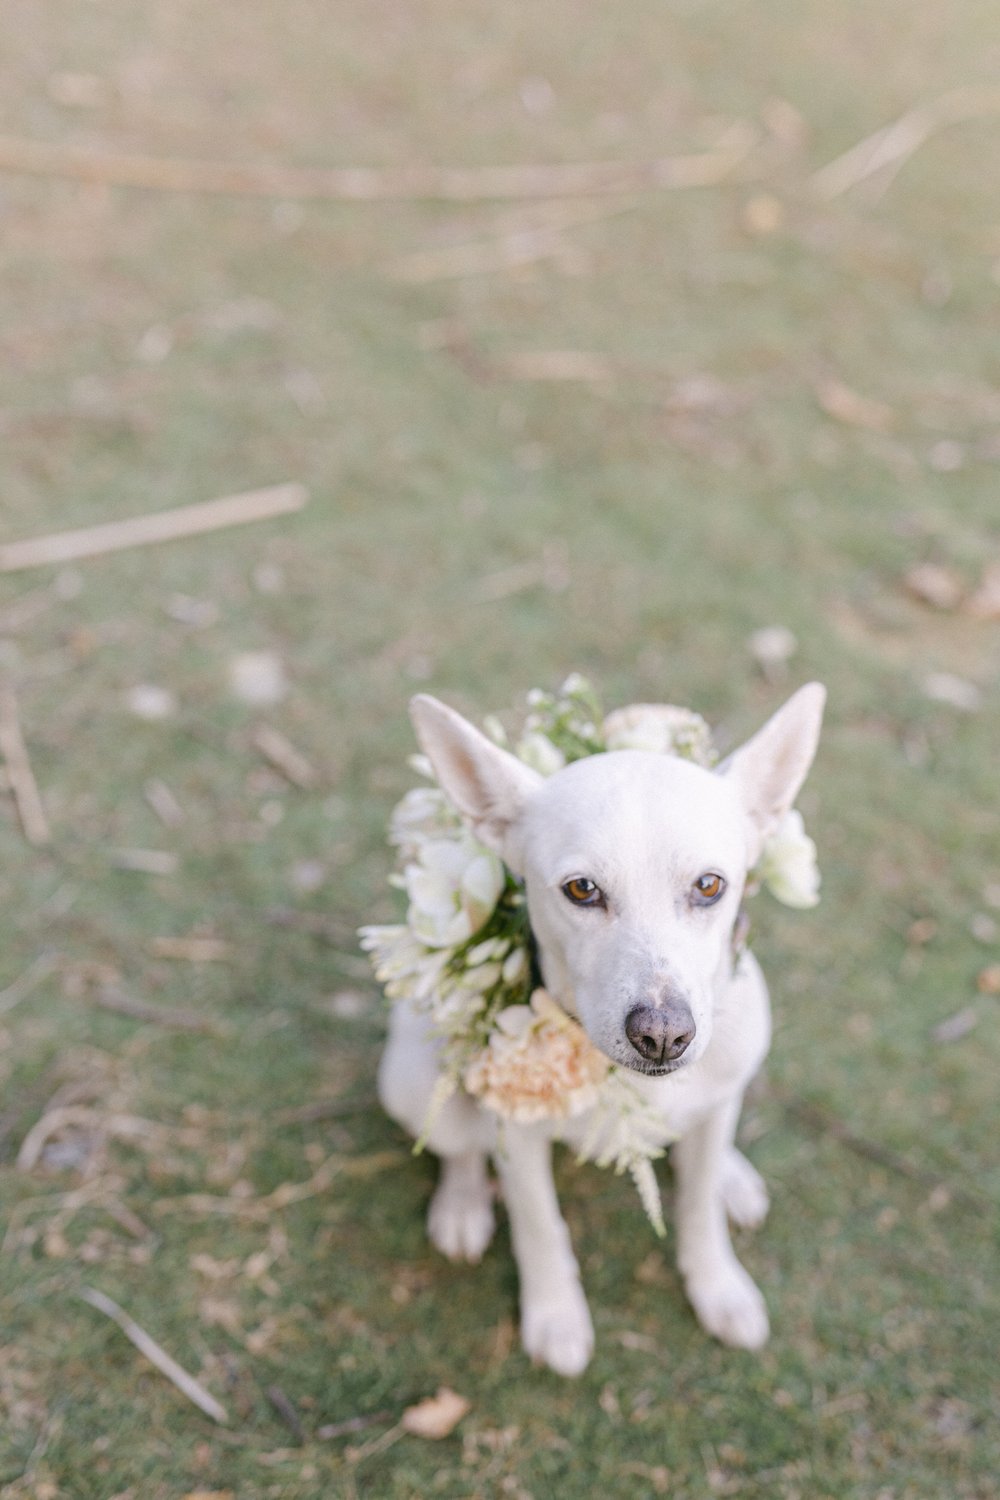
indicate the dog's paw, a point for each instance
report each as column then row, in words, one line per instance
column 558, row 1332
column 743, row 1191
column 729, row 1306
column 460, row 1222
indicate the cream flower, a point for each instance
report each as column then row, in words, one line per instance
column 453, row 885
column 538, row 752
column 539, row 1064
column 424, row 813
column 788, row 864
column 662, row 728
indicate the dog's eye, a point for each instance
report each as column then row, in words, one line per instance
column 708, row 888
column 583, row 892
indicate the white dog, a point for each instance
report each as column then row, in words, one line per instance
column 634, row 865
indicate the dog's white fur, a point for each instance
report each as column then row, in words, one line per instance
column 644, row 827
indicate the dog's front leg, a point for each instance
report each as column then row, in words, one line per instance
column 722, row 1293
column 555, row 1321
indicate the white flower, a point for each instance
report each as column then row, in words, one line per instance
column 539, row 1064
column 424, row 813
column 453, row 885
column 662, row 728
column 538, row 751
column 788, row 864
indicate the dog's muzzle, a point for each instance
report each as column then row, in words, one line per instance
column 660, row 1034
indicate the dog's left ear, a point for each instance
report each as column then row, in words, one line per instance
column 769, row 769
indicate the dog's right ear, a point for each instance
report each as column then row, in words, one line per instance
column 489, row 786
column 769, row 769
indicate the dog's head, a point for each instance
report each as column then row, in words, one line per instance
column 634, row 865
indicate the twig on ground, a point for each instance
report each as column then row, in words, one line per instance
column 185, row 1383
column 353, row 1424
column 23, row 785
column 158, row 526
column 286, row 1411
column 286, row 1193
column 825, row 1123
column 192, row 950
column 284, row 757
column 557, row 365
column 26, row 983
column 163, row 802
column 121, row 1126
column 371, row 185
column 175, row 1018
column 324, row 1109
column 888, row 149
column 328, row 929
column 518, row 244
column 146, row 861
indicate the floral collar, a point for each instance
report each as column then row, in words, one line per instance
column 465, row 952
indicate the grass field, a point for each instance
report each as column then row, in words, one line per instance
column 613, row 433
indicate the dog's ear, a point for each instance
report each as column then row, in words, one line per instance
column 770, row 768
column 489, row 786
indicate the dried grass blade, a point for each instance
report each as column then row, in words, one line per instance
column 365, row 184
column 22, row 778
column 157, row 526
column 158, row 1356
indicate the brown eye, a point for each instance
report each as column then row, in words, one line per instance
column 708, row 888
column 583, row 892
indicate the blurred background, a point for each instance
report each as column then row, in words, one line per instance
column 657, row 342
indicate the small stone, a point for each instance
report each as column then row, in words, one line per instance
column 934, row 584
column 268, row 578
column 307, row 875
column 155, row 344
column 258, row 677
column 955, row 1027
column 957, row 692
column 347, row 1005
column 68, row 584
column 947, row 456
column 537, row 95
column 152, row 703
column 198, row 613
column 984, row 927
column 763, row 214
column 77, row 90
column 773, row 643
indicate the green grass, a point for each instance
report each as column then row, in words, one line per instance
column 698, row 495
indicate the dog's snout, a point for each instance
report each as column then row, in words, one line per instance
column 660, row 1034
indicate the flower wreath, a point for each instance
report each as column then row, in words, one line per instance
column 464, row 955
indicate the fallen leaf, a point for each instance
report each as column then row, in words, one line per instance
column 195, row 950
column 921, row 931
column 957, row 692
column 988, row 982
column 932, row 583
column 437, row 1416
column 763, row 214
column 956, row 1026
column 984, row 603
column 210, row 1495
column 854, row 410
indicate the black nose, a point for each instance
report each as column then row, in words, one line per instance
column 660, row 1033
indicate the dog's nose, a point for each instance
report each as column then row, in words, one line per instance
column 660, row 1033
